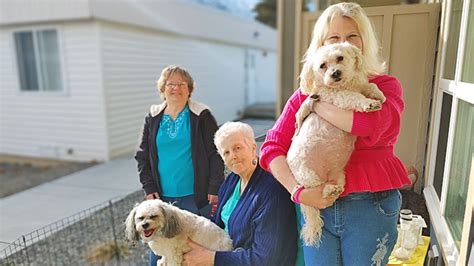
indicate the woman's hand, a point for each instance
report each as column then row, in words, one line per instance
column 340, row 118
column 198, row 255
column 151, row 196
column 212, row 199
column 314, row 197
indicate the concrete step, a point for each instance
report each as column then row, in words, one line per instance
column 260, row 110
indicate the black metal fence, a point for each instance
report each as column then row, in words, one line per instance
column 91, row 237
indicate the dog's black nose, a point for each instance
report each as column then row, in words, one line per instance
column 145, row 225
column 336, row 75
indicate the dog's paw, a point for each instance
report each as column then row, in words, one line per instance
column 378, row 97
column 372, row 106
column 375, row 106
column 382, row 98
column 374, row 93
column 332, row 190
column 161, row 262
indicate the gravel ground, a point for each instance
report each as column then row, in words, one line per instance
column 18, row 174
column 95, row 236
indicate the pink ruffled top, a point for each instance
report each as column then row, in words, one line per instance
column 373, row 166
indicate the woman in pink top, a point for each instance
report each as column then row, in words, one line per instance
column 360, row 227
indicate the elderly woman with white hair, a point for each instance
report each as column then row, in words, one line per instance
column 360, row 225
column 253, row 208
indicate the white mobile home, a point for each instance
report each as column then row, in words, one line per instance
column 77, row 77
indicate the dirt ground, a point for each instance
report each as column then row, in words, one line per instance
column 20, row 173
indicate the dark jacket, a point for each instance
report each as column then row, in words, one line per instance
column 263, row 224
column 208, row 165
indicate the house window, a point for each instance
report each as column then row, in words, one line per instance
column 463, row 150
column 449, row 177
column 468, row 64
column 453, row 40
column 442, row 145
column 38, row 58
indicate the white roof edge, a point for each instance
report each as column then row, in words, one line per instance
column 20, row 12
column 177, row 16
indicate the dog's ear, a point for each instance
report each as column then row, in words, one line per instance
column 172, row 224
column 307, row 77
column 359, row 59
column 130, row 231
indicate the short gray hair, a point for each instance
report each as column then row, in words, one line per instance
column 166, row 74
column 231, row 128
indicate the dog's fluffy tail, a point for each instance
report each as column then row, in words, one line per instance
column 313, row 226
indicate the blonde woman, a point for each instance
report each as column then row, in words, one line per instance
column 360, row 225
column 253, row 208
column 177, row 159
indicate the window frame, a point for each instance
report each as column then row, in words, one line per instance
column 59, row 36
column 459, row 91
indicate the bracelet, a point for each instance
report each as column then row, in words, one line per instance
column 314, row 98
column 295, row 193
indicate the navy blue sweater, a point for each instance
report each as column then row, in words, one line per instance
column 262, row 225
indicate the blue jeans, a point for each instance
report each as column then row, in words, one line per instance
column 359, row 229
column 184, row 203
column 299, row 255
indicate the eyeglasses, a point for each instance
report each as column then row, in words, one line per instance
column 172, row 85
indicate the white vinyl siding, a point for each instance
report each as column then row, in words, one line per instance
column 67, row 125
column 132, row 62
column 261, row 76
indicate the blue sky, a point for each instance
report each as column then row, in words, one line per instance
column 241, row 8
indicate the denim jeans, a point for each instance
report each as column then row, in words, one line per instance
column 184, row 203
column 359, row 229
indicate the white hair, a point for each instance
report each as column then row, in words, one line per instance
column 370, row 48
column 231, row 128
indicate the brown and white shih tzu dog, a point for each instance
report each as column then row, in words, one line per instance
column 319, row 151
column 166, row 229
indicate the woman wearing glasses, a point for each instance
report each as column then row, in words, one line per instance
column 177, row 159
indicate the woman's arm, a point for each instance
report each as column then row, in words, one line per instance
column 371, row 125
column 338, row 117
column 281, row 171
column 279, row 138
column 278, row 141
column 142, row 157
column 309, row 196
column 275, row 231
column 198, row 255
column 216, row 165
column 274, row 149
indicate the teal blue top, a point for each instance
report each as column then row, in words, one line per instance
column 175, row 165
column 229, row 206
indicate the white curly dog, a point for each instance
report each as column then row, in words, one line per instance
column 166, row 229
column 319, row 151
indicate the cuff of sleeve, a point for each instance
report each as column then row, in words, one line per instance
column 150, row 188
column 268, row 158
column 213, row 190
column 219, row 258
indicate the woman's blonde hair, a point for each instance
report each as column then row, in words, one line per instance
column 166, row 74
column 370, row 48
column 231, row 128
